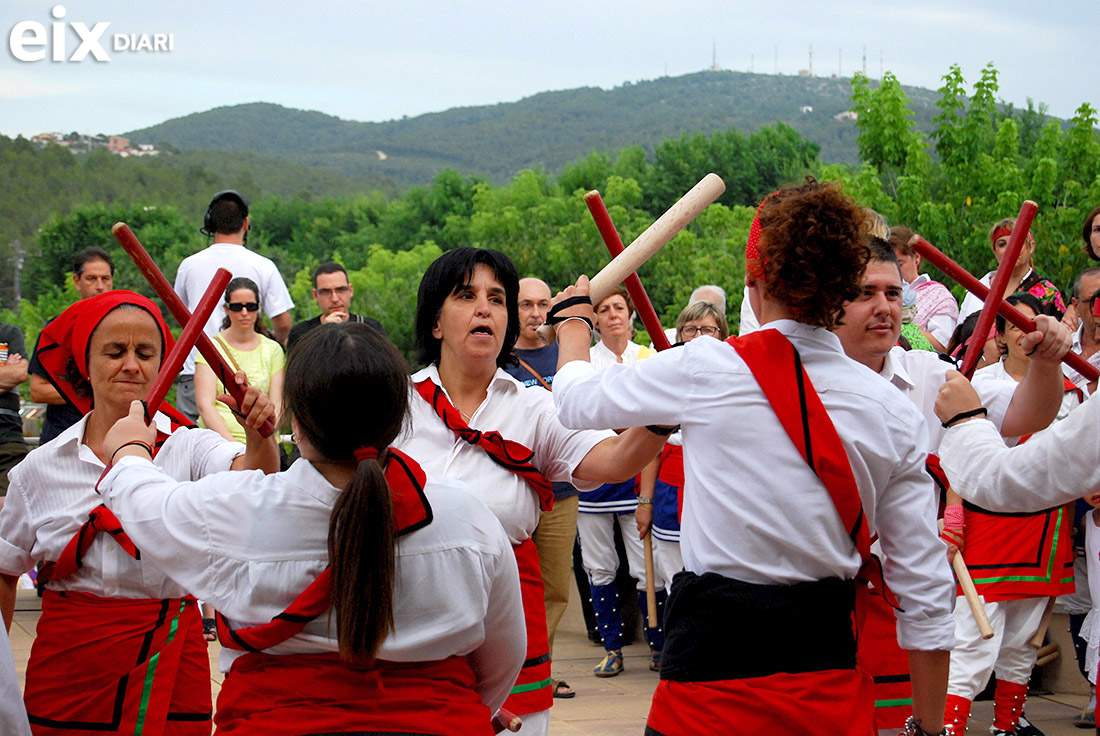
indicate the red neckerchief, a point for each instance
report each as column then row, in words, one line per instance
column 411, row 511
column 510, row 455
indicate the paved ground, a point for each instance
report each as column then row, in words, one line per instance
column 614, row 706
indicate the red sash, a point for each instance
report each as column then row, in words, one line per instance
column 510, row 455
column 118, row 666
column 406, row 480
column 100, row 519
column 295, row 694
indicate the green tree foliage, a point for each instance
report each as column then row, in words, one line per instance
column 978, row 166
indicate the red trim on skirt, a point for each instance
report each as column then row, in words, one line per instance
column 118, row 666
column 885, row 662
column 293, row 694
column 829, row 703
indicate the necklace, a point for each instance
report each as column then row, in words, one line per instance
column 465, row 416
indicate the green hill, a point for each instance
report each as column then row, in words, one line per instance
column 546, row 130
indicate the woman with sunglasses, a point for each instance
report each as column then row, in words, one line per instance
column 243, row 343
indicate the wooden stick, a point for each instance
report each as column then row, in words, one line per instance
column 1048, row 658
column 953, row 270
column 971, row 593
column 506, row 721
column 638, row 295
column 170, row 368
column 656, row 236
column 1047, row 650
column 997, row 287
column 175, row 305
column 650, row 586
column 1040, row 633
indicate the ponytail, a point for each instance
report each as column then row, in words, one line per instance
column 361, row 538
column 348, row 390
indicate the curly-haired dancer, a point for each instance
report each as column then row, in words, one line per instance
column 793, row 457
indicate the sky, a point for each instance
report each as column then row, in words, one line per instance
column 378, row 60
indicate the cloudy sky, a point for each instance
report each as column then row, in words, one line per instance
column 378, row 60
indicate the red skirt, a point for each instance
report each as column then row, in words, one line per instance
column 118, row 666
column 885, row 662
column 295, row 694
column 532, row 693
column 828, row 703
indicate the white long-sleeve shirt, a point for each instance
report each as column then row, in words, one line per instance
column 52, row 491
column 1057, row 466
column 753, row 509
column 250, row 543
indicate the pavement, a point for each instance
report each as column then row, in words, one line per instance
column 614, row 706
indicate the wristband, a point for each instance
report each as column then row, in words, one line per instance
column 645, row 501
column 964, row 415
column 552, row 317
column 661, row 431
column 586, row 321
column 139, row 443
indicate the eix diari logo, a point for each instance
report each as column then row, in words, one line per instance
column 30, row 41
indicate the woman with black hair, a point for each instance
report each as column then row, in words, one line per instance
column 355, row 593
column 793, row 456
column 472, row 421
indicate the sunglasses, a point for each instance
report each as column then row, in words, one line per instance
column 238, row 306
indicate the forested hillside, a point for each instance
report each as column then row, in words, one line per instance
column 545, row 131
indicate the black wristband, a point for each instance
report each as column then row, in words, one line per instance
column 661, row 431
column 145, row 445
column 965, row 415
column 552, row 317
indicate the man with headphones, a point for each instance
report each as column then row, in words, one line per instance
column 226, row 221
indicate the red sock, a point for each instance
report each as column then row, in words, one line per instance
column 957, row 713
column 1008, row 704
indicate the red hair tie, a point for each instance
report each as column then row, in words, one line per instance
column 755, row 263
column 1001, row 232
column 366, row 453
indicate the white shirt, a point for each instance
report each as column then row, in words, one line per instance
column 995, row 377
column 602, row 356
column 52, row 491
column 1076, row 378
column 250, row 543
column 527, row 417
column 749, row 322
column 753, row 509
column 196, row 271
column 919, row 374
column 1058, row 466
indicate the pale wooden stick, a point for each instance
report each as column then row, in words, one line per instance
column 656, row 236
column 1040, row 633
column 650, row 586
column 971, row 593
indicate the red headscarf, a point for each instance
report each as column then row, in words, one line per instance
column 754, row 261
column 68, row 336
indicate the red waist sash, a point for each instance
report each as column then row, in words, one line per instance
column 532, row 692
column 118, row 666
column 672, row 465
column 299, row 694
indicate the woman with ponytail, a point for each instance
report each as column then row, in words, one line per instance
column 353, row 592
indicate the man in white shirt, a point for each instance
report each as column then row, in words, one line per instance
column 227, row 222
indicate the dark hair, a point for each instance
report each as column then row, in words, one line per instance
column 330, row 267
column 813, row 246
column 92, row 253
column 1026, row 300
column 226, row 216
column 448, row 274
column 899, row 239
column 243, row 282
column 1086, row 233
column 347, row 387
column 961, row 335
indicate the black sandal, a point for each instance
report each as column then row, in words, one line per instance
column 562, row 690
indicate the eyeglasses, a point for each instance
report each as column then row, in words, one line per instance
column 238, row 306
column 692, row 330
column 338, row 291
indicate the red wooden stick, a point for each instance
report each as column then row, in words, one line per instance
column 170, row 368
column 175, row 305
column 634, row 287
column 998, row 286
column 936, row 257
column 506, row 721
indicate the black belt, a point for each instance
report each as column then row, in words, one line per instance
column 717, row 628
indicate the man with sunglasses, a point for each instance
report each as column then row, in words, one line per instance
column 333, row 292
column 226, row 221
